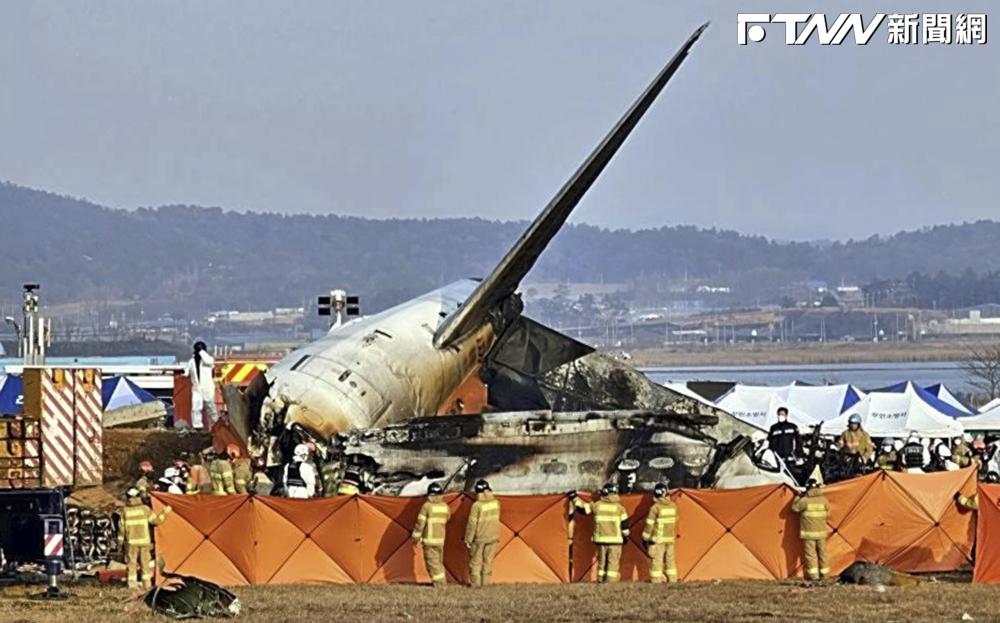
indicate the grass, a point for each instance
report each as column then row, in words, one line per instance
column 724, row 602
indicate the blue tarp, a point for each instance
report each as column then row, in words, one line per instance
column 11, row 395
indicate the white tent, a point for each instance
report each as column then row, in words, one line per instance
column 898, row 414
column 984, row 421
column 758, row 406
column 948, row 397
column 989, row 406
column 823, row 402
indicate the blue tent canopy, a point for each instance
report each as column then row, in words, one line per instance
column 11, row 394
column 927, row 397
column 120, row 391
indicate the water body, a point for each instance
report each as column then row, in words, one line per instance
column 864, row 375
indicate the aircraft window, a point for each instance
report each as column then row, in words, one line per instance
column 443, row 314
column 300, row 362
column 343, row 375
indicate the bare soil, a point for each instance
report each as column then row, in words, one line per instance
column 724, row 602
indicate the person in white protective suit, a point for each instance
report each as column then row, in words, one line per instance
column 300, row 475
column 200, row 369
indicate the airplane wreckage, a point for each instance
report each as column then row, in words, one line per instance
column 458, row 384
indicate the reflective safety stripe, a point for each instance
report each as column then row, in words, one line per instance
column 135, row 522
column 437, row 577
column 815, row 514
column 429, row 541
column 608, row 539
column 672, row 572
column 824, row 570
column 813, row 570
column 489, row 505
column 139, row 542
column 812, row 535
column 600, row 573
column 656, row 574
column 347, row 489
column 612, row 574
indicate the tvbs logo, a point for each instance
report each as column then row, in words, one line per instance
column 799, row 27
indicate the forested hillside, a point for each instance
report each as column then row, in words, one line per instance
column 193, row 258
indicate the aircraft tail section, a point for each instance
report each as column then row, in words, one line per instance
column 507, row 275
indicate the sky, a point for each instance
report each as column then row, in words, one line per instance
column 483, row 108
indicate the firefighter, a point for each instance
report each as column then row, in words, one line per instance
column 144, row 483
column 241, row 469
column 610, row 533
column 429, row 532
column 221, row 472
column 911, row 456
column 260, row 482
column 659, row 534
column 969, row 503
column 137, row 538
column 482, row 533
column 961, row 451
column 199, row 480
column 887, row 459
column 813, row 510
column 329, row 476
column 350, row 484
column 300, row 475
column 855, row 440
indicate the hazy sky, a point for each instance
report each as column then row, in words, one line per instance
column 483, row 108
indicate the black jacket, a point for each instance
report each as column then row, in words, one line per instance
column 783, row 439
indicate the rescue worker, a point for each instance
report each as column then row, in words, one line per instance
column 482, row 533
column 144, row 483
column 260, row 482
column 961, row 451
column 171, row 482
column 610, row 533
column 887, row 459
column 300, row 476
column 199, row 370
column 199, row 480
column 350, row 484
column 969, row 503
column 241, row 469
column 911, row 456
column 855, row 441
column 329, row 477
column 813, row 510
column 221, row 472
column 429, row 532
column 659, row 535
column 783, row 437
column 135, row 534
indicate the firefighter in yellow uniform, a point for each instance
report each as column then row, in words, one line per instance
column 430, row 530
column 482, row 533
column 135, row 534
column 969, row 503
column 350, row 484
column 221, row 472
column 610, row 533
column 199, row 480
column 813, row 512
column 241, row 469
column 659, row 535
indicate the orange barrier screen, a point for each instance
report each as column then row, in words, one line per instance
column 906, row 521
column 988, row 536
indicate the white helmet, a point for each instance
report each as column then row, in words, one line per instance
column 301, row 452
column 925, row 442
column 854, row 418
column 758, row 436
column 967, row 437
column 887, row 444
column 171, row 472
column 943, row 451
column 898, row 444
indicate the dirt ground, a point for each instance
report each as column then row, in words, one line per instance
column 725, row 602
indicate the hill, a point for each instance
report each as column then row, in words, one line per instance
column 187, row 258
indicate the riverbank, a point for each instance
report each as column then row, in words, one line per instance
column 798, row 354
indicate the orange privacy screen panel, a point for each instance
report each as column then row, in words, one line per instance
column 906, row 521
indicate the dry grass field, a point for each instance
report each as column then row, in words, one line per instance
column 725, row 602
